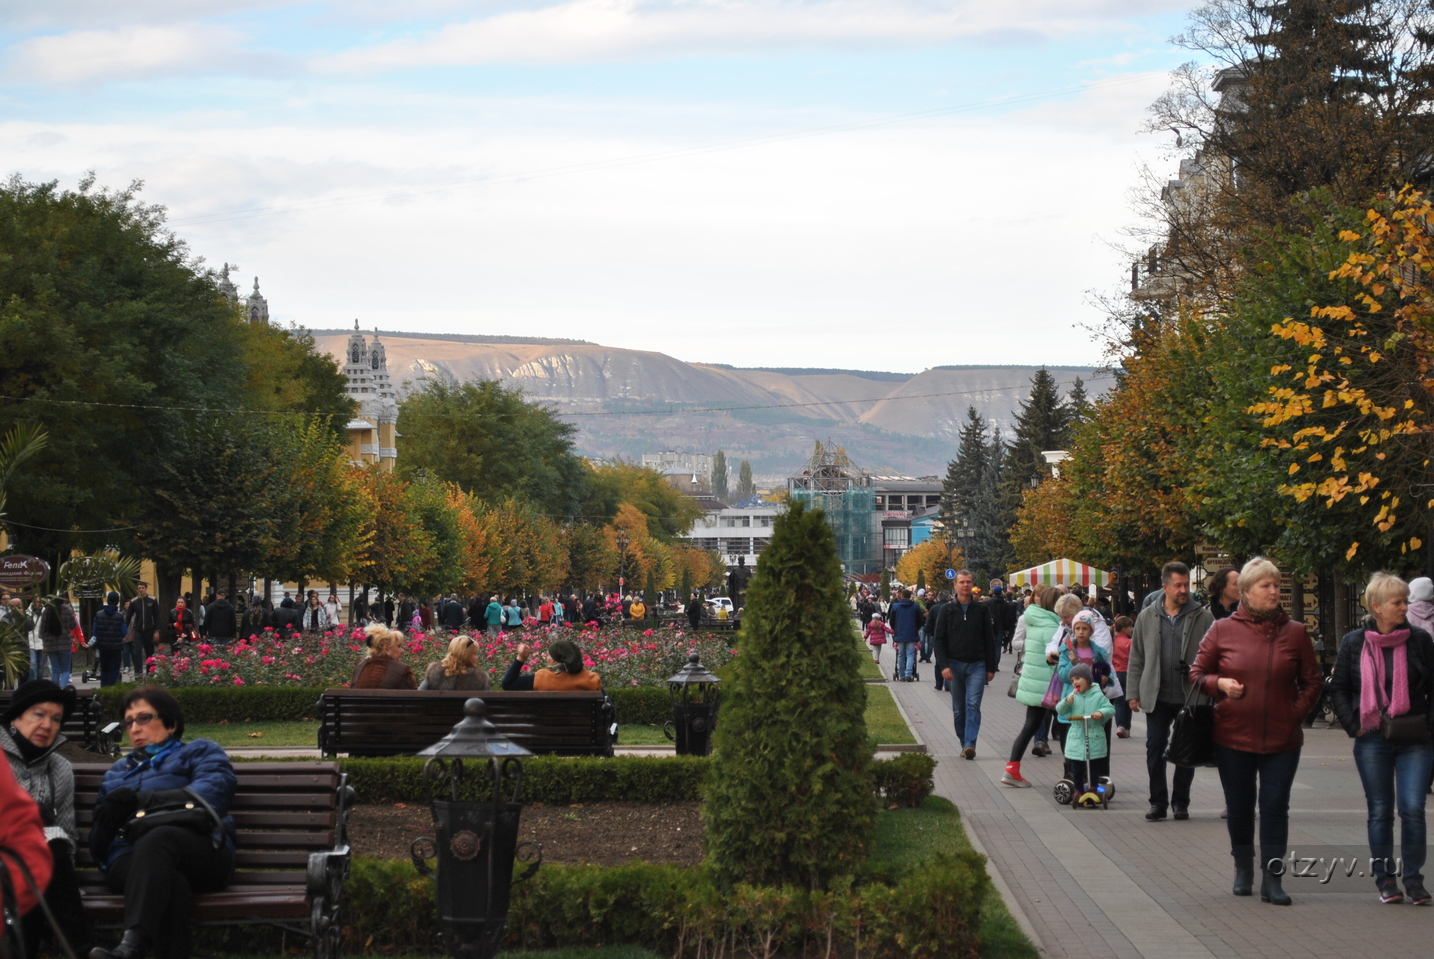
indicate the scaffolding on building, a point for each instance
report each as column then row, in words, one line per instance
column 843, row 490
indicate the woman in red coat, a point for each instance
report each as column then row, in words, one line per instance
column 1259, row 666
column 22, row 835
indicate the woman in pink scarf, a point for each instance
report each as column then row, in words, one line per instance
column 1387, row 669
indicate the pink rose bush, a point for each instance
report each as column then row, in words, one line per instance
column 627, row 657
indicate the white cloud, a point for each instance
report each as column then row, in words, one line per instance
column 595, row 30
column 83, row 57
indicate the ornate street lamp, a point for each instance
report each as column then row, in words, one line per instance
column 622, row 543
column 694, row 708
column 474, row 841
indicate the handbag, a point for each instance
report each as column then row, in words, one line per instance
column 174, row 807
column 1053, row 691
column 1015, row 681
column 1409, row 729
column 1192, row 735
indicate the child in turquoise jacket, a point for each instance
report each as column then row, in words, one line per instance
column 1085, row 699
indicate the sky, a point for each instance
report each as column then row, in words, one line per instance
column 874, row 184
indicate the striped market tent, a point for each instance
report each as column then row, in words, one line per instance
column 1066, row 572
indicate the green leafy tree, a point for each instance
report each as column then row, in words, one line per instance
column 486, row 439
column 669, row 513
column 719, row 475
column 746, row 488
column 287, row 373
column 789, row 794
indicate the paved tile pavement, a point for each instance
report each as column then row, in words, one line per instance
column 1095, row 883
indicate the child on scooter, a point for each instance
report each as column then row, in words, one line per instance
column 1085, row 700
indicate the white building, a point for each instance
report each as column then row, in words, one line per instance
column 373, row 433
column 735, row 532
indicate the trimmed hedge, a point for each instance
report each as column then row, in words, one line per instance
column 934, row 910
column 905, row 779
column 561, row 780
column 636, row 705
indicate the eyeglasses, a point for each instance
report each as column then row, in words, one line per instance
column 139, row 719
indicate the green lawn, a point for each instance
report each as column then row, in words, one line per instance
column 905, row 837
column 242, row 734
column 883, row 720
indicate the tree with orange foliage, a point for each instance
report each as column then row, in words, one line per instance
column 932, row 557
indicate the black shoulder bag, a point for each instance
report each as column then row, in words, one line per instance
column 174, row 807
column 1192, row 736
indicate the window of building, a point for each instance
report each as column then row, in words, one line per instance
column 765, row 521
column 746, row 522
column 898, row 537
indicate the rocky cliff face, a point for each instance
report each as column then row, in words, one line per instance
column 906, row 423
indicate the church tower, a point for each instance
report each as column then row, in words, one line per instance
column 373, row 432
column 257, row 306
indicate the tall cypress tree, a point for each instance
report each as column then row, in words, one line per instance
column 789, row 795
column 746, row 487
column 719, row 475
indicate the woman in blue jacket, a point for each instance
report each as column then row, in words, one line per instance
column 160, row 869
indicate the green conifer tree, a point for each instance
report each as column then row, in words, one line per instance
column 719, row 476
column 649, row 593
column 886, row 586
column 789, row 795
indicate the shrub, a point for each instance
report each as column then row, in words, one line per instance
column 935, row 910
column 905, row 779
column 789, row 796
column 558, row 780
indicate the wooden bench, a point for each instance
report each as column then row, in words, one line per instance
column 84, row 727
column 290, row 821
column 388, row 722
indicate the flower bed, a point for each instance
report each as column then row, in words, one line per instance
column 622, row 657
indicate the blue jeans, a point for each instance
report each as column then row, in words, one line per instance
column 905, row 659
column 1122, row 705
column 60, row 667
column 37, row 664
column 1275, row 772
column 967, row 685
column 1394, row 776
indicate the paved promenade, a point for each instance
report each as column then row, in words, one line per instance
column 1094, row 883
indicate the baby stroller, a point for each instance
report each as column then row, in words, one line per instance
column 1097, row 793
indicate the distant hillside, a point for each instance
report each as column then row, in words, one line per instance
column 628, row 402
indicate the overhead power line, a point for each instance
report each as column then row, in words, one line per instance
column 679, row 153
column 557, row 412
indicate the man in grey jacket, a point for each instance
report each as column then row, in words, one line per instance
column 1163, row 643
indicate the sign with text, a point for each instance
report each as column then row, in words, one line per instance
column 18, row 570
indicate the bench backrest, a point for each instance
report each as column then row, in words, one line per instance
column 282, row 812
column 83, row 725
column 386, row 722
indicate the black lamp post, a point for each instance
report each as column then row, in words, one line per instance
column 694, row 708
column 475, row 841
column 622, row 542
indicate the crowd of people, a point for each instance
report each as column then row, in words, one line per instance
column 1240, row 652
column 123, row 635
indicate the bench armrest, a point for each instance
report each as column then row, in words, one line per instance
column 325, row 888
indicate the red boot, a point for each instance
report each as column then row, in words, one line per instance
column 1012, row 776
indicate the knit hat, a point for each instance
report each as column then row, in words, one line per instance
column 566, row 654
column 1421, row 590
column 37, row 691
column 1082, row 671
column 1086, row 615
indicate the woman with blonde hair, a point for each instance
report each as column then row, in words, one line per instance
column 383, row 668
column 458, row 670
column 1259, row 667
column 1383, row 692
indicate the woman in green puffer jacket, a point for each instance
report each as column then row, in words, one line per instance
column 1041, row 623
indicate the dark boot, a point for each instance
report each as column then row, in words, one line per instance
column 1272, row 892
column 134, row 945
column 1244, row 876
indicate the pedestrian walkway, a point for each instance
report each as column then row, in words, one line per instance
column 1095, row 883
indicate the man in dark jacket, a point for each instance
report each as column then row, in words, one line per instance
column 454, row 614
column 143, row 623
column 998, row 605
column 220, row 620
column 905, row 619
column 933, row 616
column 967, row 657
column 107, row 636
